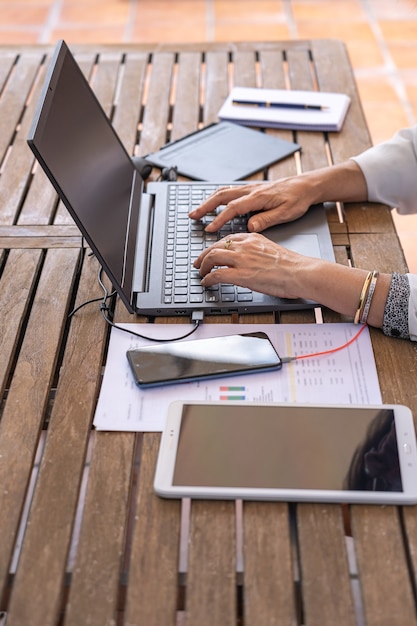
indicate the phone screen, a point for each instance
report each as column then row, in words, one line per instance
column 181, row 361
column 291, row 447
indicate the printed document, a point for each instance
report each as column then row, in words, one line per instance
column 348, row 376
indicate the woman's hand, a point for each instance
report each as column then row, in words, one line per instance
column 284, row 200
column 273, row 203
column 253, row 261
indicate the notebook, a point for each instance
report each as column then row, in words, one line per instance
column 143, row 239
column 225, row 150
column 284, row 108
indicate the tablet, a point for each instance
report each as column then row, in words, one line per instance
column 222, row 151
column 290, row 452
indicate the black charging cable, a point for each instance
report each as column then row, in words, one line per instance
column 144, row 168
column 196, row 317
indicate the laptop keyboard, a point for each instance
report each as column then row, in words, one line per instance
column 186, row 239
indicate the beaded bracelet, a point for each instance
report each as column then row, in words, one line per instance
column 395, row 322
column 362, row 298
column 364, row 315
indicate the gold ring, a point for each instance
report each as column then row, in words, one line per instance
column 227, row 243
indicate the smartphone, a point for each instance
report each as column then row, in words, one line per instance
column 190, row 360
column 310, row 453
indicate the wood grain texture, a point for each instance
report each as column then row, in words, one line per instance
column 387, row 589
column 44, row 555
column 27, row 400
column 153, row 572
column 269, row 579
column 156, row 114
column 187, row 93
column 16, row 286
column 98, row 575
column 20, row 77
column 211, row 578
column 325, row 580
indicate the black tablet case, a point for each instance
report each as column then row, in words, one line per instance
column 222, row 151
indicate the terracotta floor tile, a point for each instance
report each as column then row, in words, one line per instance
column 247, row 9
column 184, row 32
column 88, row 35
column 348, row 31
column 400, row 30
column 411, row 90
column 16, row 36
column 406, row 226
column 376, row 88
column 404, row 55
column 364, row 54
column 176, row 11
column 414, row 108
column 252, row 31
column 30, row 15
column 99, row 4
column 325, row 10
column 393, row 9
column 384, row 119
column 23, row 5
column 89, row 14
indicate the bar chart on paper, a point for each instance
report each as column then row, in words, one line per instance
column 232, row 392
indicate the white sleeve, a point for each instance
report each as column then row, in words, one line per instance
column 390, row 170
column 412, row 307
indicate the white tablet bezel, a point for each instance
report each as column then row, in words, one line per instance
column 407, row 452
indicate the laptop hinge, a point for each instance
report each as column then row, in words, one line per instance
column 144, row 243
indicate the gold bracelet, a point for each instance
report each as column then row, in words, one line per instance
column 362, row 298
column 369, row 297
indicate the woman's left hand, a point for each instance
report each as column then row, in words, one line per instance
column 253, row 261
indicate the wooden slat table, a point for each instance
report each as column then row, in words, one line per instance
column 83, row 539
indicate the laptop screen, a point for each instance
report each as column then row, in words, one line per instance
column 74, row 141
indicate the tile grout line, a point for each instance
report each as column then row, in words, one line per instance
column 390, row 69
column 210, row 21
column 50, row 23
column 133, row 11
column 289, row 19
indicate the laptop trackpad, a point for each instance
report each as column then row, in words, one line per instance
column 304, row 244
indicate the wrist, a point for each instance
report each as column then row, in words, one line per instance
column 337, row 183
column 339, row 287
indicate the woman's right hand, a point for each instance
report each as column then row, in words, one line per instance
column 284, row 200
column 272, row 203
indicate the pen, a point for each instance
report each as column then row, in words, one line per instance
column 278, row 105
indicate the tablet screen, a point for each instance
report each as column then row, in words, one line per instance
column 288, row 447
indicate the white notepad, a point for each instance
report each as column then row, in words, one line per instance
column 284, row 108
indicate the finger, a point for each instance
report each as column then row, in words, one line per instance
column 221, row 196
column 226, row 243
column 230, row 211
column 265, row 219
column 217, row 276
column 257, row 201
column 198, row 261
column 272, row 217
column 215, row 258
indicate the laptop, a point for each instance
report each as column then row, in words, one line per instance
column 143, row 237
